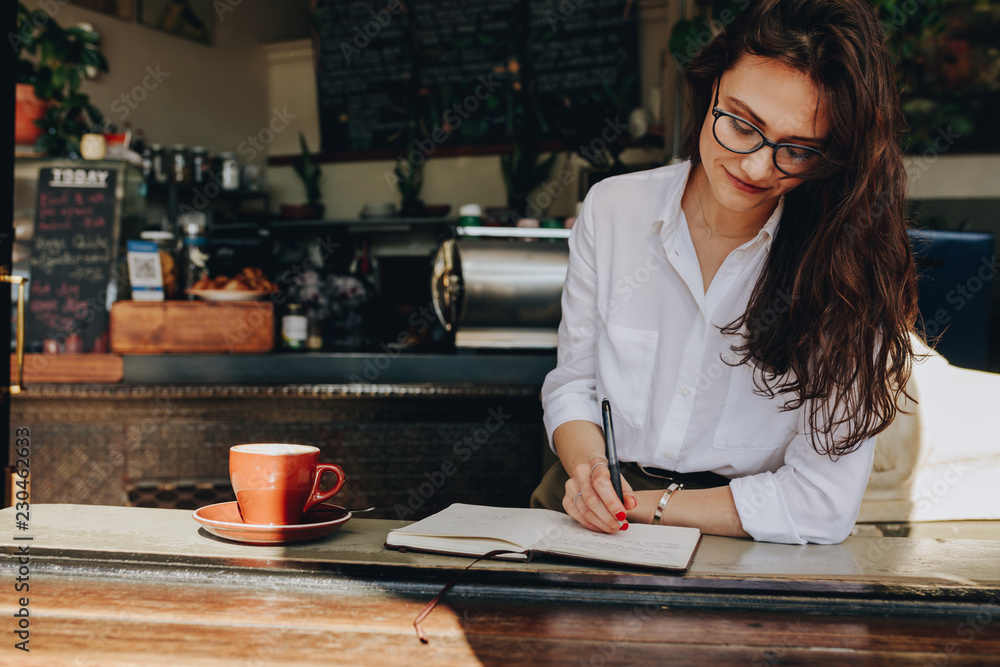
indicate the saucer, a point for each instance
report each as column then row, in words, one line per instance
column 228, row 295
column 224, row 520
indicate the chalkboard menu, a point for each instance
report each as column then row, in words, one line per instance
column 71, row 257
column 394, row 76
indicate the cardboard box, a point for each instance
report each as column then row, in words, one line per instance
column 192, row 326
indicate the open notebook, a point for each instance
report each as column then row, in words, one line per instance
column 475, row 530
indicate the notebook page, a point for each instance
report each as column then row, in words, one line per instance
column 657, row 546
column 519, row 527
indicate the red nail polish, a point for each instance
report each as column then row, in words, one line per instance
column 624, row 526
column 620, row 516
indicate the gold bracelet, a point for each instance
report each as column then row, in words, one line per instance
column 663, row 501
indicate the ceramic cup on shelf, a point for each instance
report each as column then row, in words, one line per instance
column 275, row 483
column 93, row 146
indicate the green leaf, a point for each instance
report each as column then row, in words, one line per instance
column 308, row 172
column 96, row 117
column 685, row 40
column 543, row 169
column 58, row 78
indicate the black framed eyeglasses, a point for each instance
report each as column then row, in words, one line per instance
column 739, row 135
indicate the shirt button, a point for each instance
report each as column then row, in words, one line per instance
column 669, row 454
column 685, row 391
column 738, row 255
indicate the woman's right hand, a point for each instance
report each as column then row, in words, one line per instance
column 591, row 499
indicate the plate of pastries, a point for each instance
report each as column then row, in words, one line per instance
column 249, row 284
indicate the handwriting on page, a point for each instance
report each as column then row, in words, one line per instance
column 573, row 538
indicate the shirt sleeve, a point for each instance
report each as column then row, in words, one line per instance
column 569, row 392
column 809, row 499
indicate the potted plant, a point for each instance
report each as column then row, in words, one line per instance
column 309, row 173
column 52, row 63
column 409, row 180
column 522, row 171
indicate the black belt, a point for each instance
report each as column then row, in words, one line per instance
column 706, row 480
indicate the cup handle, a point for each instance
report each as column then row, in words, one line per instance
column 316, row 496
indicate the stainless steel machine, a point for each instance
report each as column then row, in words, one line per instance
column 501, row 287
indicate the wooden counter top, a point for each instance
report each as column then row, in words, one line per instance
column 860, row 564
column 116, row 586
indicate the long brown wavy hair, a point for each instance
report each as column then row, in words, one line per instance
column 841, row 258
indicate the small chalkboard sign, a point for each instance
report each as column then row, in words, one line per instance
column 71, row 258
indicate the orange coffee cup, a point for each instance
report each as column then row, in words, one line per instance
column 276, row 483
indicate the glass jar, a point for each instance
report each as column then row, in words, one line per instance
column 230, row 172
column 147, row 164
column 193, row 260
column 200, row 165
column 180, row 165
column 470, row 215
column 253, row 178
column 294, row 328
column 314, row 343
column 158, row 159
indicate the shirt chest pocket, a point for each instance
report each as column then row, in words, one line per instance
column 625, row 360
column 753, row 421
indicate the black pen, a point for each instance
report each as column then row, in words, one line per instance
column 609, row 446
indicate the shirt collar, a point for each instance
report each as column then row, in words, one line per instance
column 670, row 216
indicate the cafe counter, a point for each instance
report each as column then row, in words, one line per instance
column 414, row 432
column 121, row 586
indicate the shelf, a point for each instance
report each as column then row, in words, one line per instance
column 396, row 224
column 495, row 368
column 370, row 224
column 192, row 188
column 492, row 368
column 513, row 232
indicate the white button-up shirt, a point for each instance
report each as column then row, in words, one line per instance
column 640, row 329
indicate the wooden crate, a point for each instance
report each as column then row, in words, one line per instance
column 156, row 327
column 69, row 368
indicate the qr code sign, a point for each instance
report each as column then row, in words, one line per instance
column 144, row 271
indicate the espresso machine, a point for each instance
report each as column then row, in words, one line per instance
column 501, row 287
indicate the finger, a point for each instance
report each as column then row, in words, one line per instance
column 606, row 506
column 574, row 505
column 613, row 509
column 585, row 518
column 570, row 497
column 599, row 477
column 598, row 497
column 631, row 502
column 589, row 519
column 583, row 504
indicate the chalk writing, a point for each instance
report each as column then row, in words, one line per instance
column 72, row 254
column 390, row 73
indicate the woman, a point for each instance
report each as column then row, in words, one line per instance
column 746, row 312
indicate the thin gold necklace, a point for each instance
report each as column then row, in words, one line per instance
column 701, row 207
column 704, row 220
